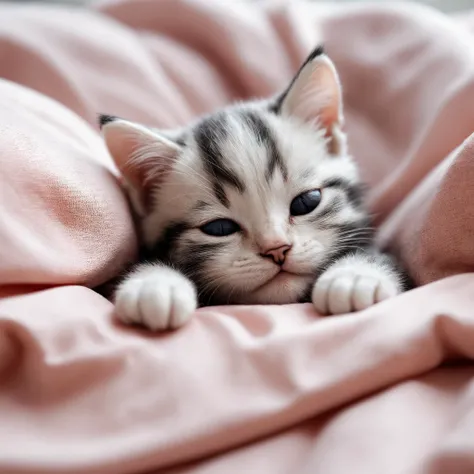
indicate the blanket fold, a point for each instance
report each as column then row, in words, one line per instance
column 255, row 389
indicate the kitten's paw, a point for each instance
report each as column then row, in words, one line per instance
column 156, row 297
column 343, row 290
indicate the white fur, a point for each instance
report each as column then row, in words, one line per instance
column 352, row 284
column 313, row 151
column 239, row 274
column 316, row 93
column 157, row 297
column 262, row 210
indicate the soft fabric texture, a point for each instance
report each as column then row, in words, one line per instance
column 255, row 203
column 240, row 389
column 64, row 219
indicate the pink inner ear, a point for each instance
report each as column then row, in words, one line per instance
column 143, row 157
column 330, row 108
column 316, row 95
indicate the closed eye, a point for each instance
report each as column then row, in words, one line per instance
column 305, row 202
column 220, row 227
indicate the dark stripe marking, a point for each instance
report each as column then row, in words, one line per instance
column 265, row 138
column 194, row 262
column 167, row 242
column 209, row 133
column 354, row 192
column 220, row 194
column 275, row 107
column 105, row 119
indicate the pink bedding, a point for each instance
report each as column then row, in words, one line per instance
column 270, row 389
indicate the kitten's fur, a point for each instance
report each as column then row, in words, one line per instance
column 247, row 163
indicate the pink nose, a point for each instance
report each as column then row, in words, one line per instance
column 277, row 254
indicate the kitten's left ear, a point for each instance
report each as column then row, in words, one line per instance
column 143, row 156
column 315, row 96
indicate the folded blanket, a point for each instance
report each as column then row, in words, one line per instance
column 269, row 389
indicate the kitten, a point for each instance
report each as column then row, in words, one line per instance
column 257, row 203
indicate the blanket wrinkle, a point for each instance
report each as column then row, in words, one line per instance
column 257, row 389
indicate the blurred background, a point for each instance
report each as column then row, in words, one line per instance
column 444, row 5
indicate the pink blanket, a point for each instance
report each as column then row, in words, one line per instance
column 269, row 389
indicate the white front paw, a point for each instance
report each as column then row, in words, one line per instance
column 343, row 290
column 157, row 297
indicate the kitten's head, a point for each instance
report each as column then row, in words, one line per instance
column 253, row 201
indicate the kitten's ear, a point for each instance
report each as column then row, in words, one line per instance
column 315, row 96
column 143, row 156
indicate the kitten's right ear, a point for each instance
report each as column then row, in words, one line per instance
column 143, row 156
column 315, row 97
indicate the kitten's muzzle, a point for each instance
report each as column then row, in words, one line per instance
column 278, row 254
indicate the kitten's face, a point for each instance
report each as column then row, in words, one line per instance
column 254, row 207
column 252, row 203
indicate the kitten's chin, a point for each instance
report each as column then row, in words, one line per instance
column 284, row 288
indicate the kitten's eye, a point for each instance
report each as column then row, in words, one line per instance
column 220, row 227
column 305, row 202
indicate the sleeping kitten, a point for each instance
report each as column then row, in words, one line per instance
column 256, row 203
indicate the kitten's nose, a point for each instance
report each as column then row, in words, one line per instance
column 278, row 254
